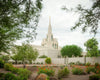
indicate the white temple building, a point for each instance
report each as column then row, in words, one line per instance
column 49, row 45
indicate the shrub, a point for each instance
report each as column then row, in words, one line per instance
column 10, row 76
column 88, row 64
column 78, row 63
column 43, row 56
column 96, row 64
column 63, row 73
column 14, row 70
column 1, row 63
column 90, row 69
column 48, row 60
column 62, row 66
column 94, row 77
column 47, row 71
column 23, row 73
column 8, row 66
column 2, row 76
column 77, row 71
column 71, row 63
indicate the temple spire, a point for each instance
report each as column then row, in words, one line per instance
column 49, row 28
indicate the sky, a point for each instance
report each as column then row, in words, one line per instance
column 61, row 22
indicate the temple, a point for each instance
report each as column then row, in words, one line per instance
column 49, row 45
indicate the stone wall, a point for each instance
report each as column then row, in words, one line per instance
column 92, row 60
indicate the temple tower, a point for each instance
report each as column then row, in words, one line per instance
column 49, row 41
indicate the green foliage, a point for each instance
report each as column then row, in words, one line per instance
column 78, row 63
column 43, row 56
column 25, row 53
column 5, row 57
column 89, row 17
column 8, row 66
column 10, row 76
column 94, row 77
column 23, row 73
column 15, row 19
column 48, row 60
column 92, row 47
column 77, row 71
column 14, row 70
column 2, row 76
column 96, row 64
column 1, row 63
column 70, row 50
column 88, row 64
column 90, row 69
column 47, row 71
column 63, row 73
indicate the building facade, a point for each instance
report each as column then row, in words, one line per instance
column 49, row 45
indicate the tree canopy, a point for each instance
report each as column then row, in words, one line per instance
column 92, row 47
column 15, row 19
column 25, row 53
column 89, row 18
column 71, row 50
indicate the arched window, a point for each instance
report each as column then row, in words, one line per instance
column 55, row 46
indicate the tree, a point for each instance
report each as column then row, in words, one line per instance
column 92, row 47
column 5, row 58
column 15, row 19
column 89, row 18
column 71, row 50
column 26, row 53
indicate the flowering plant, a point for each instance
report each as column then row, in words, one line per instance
column 48, row 71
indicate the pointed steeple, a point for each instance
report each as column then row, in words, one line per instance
column 49, row 28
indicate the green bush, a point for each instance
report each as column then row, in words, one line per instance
column 78, row 63
column 48, row 60
column 94, row 77
column 90, row 69
column 88, row 64
column 23, row 73
column 47, row 71
column 96, row 64
column 14, row 70
column 77, row 71
column 1, row 63
column 71, row 63
column 8, row 66
column 63, row 73
column 10, row 76
column 43, row 56
column 2, row 76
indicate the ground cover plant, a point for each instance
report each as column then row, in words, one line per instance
column 77, row 71
column 90, row 69
column 63, row 73
column 46, row 70
column 22, row 74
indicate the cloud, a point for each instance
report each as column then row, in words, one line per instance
column 61, row 22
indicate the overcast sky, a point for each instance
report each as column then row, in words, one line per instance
column 61, row 22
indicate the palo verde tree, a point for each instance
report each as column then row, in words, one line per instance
column 15, row 19
column 26, row 53
column 92, row 47
column 71, row 50
column 89, row 18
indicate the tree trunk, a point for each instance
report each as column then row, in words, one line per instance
column 24, row 66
